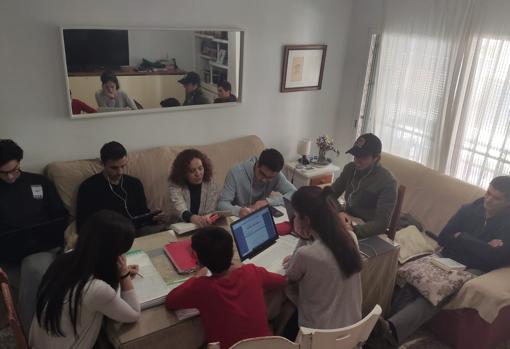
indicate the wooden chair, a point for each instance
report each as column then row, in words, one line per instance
column 14, row 323
column 395, row 217
column 271, row 342
column 341, row 338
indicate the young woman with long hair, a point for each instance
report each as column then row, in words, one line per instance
column 80, row 287
column 324, row 271
column 193, row 192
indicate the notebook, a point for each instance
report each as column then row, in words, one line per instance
column 151, row 289
column 181, row 256
column 257, row 241
column 447, row 263
column 183, row 227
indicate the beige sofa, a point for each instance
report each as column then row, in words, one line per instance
column 152, row 167
column 478, row 314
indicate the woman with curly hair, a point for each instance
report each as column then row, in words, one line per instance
column 193, row 193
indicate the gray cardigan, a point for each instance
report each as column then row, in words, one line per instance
column 180, row 199
column 121, row 100
column 324, row 297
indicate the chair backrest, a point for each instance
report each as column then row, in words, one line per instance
column 395, row 217
column 14, row 323
column 270, row 342
column 341, row 338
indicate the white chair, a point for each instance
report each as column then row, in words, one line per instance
column 341, row 338
column 271, row 342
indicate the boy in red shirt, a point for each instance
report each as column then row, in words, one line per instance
column 231, row 301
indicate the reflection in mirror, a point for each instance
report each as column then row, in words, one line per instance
column 112, row 70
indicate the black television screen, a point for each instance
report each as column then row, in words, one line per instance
column 90, row 49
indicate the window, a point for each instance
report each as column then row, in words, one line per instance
column 482, row 147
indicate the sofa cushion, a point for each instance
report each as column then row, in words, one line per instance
column 433, row 283
column 413, row 244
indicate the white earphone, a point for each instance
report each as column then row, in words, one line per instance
column 124, row 200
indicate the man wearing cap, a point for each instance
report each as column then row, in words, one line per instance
column 194, row 93
column 370, row 189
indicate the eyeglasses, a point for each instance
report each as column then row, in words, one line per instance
column 12, row 172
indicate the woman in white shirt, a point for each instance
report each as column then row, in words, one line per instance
column 324, row 271
column 80, row 287
column 193, row 192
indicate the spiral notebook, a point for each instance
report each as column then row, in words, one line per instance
column 151, row 289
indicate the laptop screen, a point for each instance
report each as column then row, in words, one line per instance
column 254, row 232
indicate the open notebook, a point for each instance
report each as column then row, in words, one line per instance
column 151, row 289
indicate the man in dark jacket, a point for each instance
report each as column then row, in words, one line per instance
column 370, row 189
column 26, row 199
column 478, row 236
column 112, row 189
column 194, row 93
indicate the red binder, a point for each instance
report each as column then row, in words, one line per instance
column 181, row 256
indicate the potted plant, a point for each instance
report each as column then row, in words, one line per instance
column 325, row 144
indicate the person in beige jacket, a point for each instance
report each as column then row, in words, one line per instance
column 193, row 193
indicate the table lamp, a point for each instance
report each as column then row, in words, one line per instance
column 304, row 147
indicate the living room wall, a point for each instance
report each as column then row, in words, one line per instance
column 33, row 95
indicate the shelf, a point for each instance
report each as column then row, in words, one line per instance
column 217, row 65
column 221, row 41
column 207, row 57
column 203, row 36
column 210, row 37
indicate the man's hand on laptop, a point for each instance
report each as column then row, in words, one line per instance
column 259, row 204
column 160, row 217
column 244, row 211
column 496, row 243
column 286, row 261
column 200, row 221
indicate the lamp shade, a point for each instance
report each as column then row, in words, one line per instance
column 304, row 146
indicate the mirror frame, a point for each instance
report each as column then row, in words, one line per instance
column 154, row 110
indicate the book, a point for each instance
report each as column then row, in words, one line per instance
column 447, row 263
column 183, row 227
column 151, row 289
column 181, row 256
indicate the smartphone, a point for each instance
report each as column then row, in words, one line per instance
column 275, row 212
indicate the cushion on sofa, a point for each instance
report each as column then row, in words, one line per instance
column 413, row 243
column 434, row 283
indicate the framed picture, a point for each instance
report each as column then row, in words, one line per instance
column 302, row 67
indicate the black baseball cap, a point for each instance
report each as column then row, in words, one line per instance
column 367, row 144
column 191, row 78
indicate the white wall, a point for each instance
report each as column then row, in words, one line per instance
column 33, row 95
column 366, row 18
column 160, row 44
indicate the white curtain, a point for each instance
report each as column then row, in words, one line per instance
column 420, row 54
column 480, row 147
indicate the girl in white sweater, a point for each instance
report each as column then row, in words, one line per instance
column 80, row 287
column 324, row 271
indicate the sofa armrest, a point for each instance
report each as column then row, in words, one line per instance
column 487, row 294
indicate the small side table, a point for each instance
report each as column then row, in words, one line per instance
column 310, row 174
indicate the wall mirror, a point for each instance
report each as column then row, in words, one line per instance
column 113, row 71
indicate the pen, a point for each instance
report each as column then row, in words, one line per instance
column 139, row 274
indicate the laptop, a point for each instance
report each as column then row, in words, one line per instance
column 258, row 242
column 16, row 244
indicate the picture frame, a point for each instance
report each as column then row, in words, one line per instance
column 302, row 67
